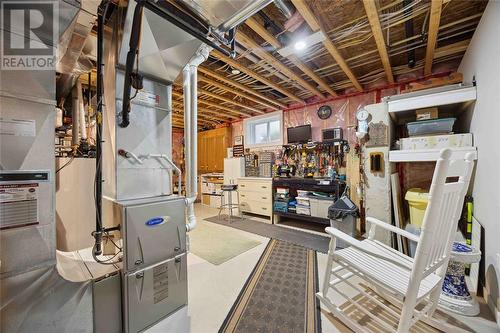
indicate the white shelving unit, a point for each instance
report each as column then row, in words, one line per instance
column 451, row 99
column 454, row 95
column 426, row 155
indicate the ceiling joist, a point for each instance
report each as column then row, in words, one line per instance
column 373, row 19
column 434, row 19
column 225, row 99
column 255, row 48
column 268, row 37
column 233, row 63
column 315, row 25
column 211, row 104
column 271, row 104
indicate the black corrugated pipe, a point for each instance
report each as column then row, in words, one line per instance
column 98, row 145
column 409, row 33
column 135, row 36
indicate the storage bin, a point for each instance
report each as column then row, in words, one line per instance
column 215, row 201
column 319, row 206
column 437, row 141
column 417, row 200
column 342, row 215
column 303, row 210
column 434, row 126
column 303, row 201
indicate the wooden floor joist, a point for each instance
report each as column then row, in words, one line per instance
column 217, row 113
column 205, row 113
column 233, row 63
column 372, row 14
column 434, row 19
column 272, row 102
column 256, row 49
column 221, row 86
column 236, row 109
column 268, row 37
column 315, row 25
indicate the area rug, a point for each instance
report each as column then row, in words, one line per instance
column 306, row 239
column 279, row 295
column 218, row 245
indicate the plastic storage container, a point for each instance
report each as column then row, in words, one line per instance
column 319, row 206
column 417, row 200
column 303, row 201
column 343, row 214
column 434, row 126
column 302, row 210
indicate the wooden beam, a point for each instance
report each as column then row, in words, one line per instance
column 208, row 93
column 255, row 48
column 211, row 113
column 315, row 25
column 372, row 14
column 179, row 119
column 240, row 86
column 435, row 17
column 255, row 75
column 268, row 37
column 225, row 99
column 451, row 49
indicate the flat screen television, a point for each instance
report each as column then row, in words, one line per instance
column 299, row 134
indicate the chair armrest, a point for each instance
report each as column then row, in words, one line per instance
column 392, row 228
column 366, row 247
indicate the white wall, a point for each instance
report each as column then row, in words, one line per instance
column 482, row 61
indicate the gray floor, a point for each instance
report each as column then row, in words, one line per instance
column 214, row 288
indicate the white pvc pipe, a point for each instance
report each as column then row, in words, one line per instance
column 190, row 86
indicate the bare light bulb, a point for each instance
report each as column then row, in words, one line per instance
column 300, row 45
column 235, row 71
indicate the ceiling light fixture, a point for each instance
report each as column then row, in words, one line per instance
column 235, row 71
column 300, row 45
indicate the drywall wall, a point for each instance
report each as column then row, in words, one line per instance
column 481, row 61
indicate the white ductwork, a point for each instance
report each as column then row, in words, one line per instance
column 190, row 86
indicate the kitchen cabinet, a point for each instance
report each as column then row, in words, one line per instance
column 212, row 148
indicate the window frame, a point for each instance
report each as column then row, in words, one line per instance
column 249, row 126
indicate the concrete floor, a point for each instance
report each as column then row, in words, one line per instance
column 213, row 290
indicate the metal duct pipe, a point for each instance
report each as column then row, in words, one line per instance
column 239, row 17
column 409, row 32
column 190, row 86
column 286, row 8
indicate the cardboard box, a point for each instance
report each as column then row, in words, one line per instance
column 437, row 141
column 427, row 113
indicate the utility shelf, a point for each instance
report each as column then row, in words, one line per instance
column 453, row 98
column 426, row 155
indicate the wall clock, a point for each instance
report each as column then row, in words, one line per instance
column 324, row 112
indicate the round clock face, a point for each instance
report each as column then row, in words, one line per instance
column 324, row 112
column 362, row 115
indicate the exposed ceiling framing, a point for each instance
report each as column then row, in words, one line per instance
column 372, row 14
column 362, row 49
column 435, row 17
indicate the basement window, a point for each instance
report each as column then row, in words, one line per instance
column 265, row 130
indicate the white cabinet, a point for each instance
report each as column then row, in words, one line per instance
column 256, row 195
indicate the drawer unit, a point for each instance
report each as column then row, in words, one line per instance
column 256, row 195
column 256, row 207
column 255, row 186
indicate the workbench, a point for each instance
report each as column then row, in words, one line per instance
column 325, row 185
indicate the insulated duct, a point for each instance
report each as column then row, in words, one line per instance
column 190, row 86
column 285, row 8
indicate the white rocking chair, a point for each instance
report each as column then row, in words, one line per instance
column 413, row 284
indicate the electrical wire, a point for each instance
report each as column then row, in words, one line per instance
column 66, row 164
